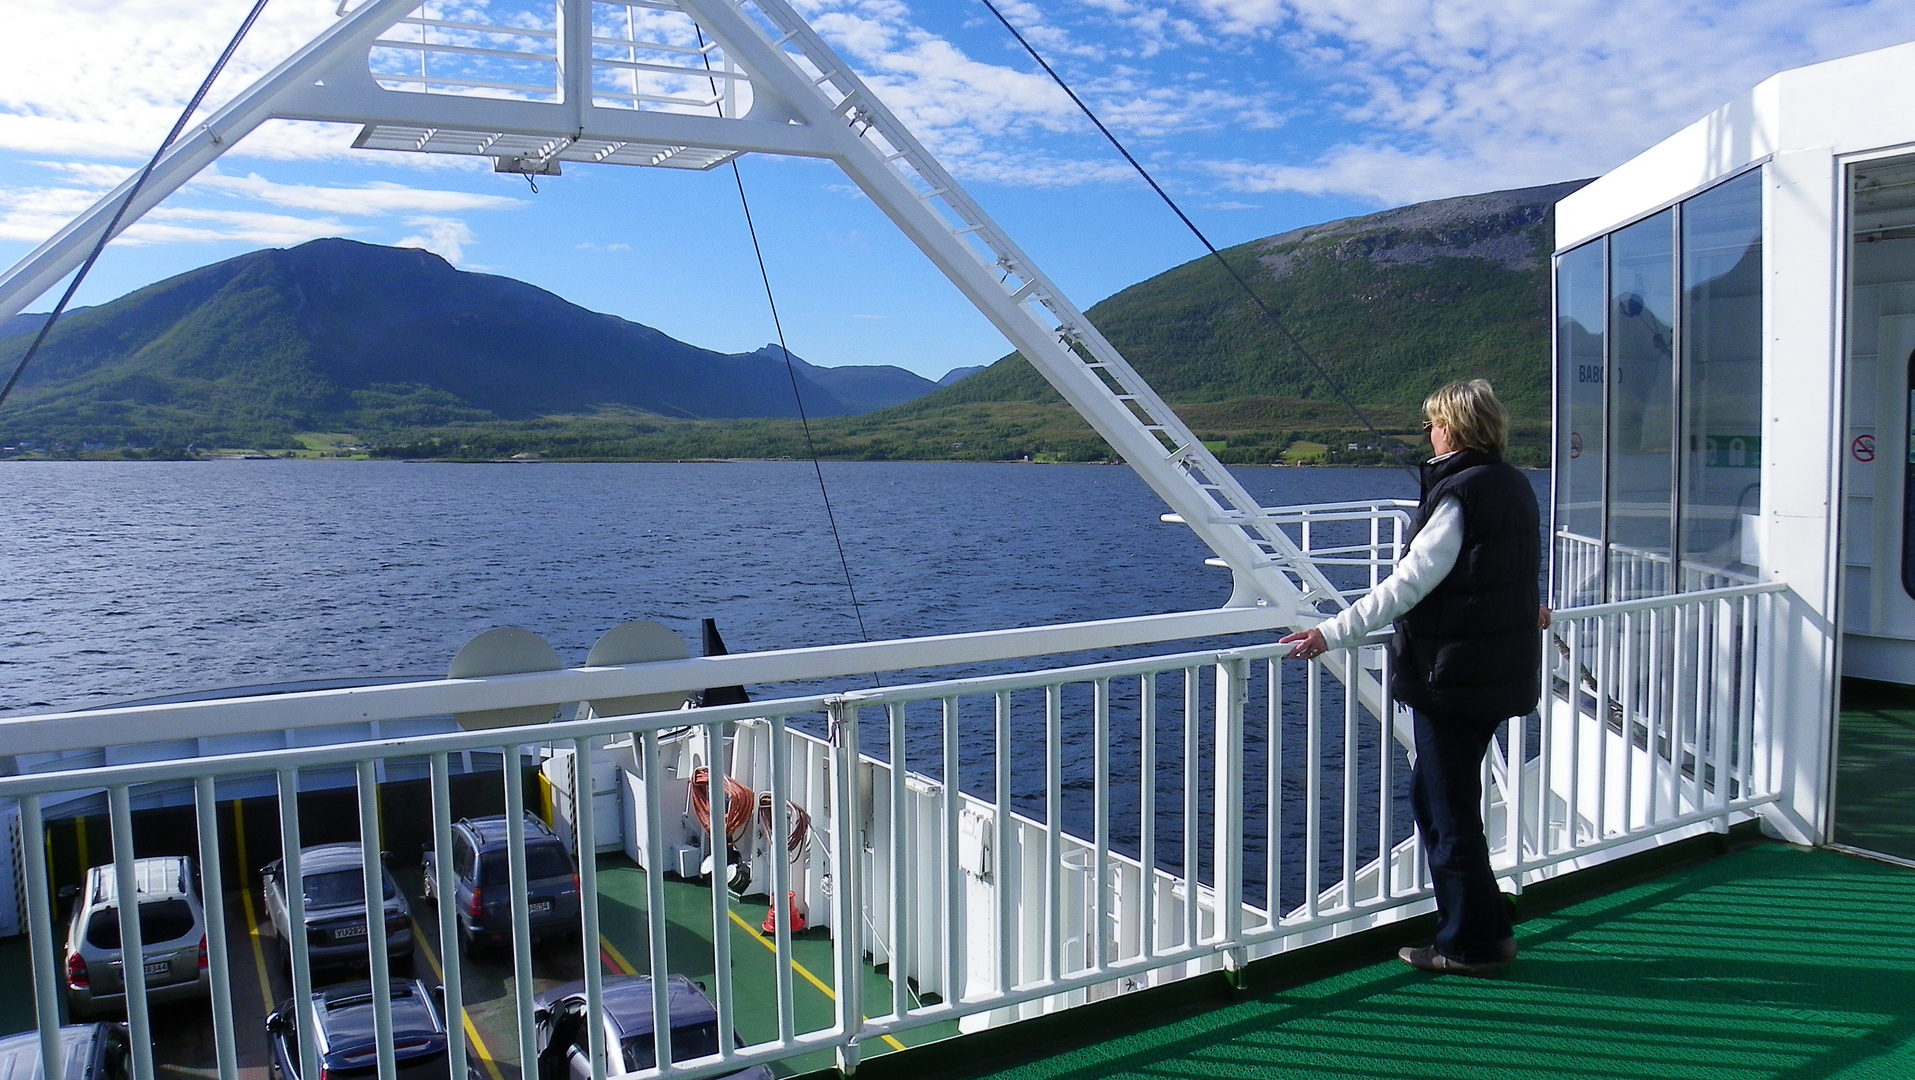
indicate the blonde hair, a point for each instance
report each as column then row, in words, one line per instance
column 1471, row 413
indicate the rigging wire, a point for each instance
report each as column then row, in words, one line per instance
column 1268, row 312
column 120, row 212
column 811, row 447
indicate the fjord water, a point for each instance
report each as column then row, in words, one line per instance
column 128, row 580
column 134, row 580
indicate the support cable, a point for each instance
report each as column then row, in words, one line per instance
column 811, row 447
column 1268, row 312
column 120, row 212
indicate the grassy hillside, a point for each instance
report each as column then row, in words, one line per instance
column 1391, row 305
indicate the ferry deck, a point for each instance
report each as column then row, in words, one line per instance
column 1725, row 703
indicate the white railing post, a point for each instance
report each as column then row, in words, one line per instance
column 1233, row 691
column 847, row 894
column 46, row 989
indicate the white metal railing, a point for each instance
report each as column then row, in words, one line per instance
column 1633, row 572
column 1119, row 824
column 1355, row 543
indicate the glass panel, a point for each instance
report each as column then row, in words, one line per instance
column 1642, row 291
column 1908, row 489
column 1579, row 428
column 1721, row 383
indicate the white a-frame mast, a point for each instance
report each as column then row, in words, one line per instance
column 690, row 84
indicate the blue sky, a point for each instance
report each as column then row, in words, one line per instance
column 1258, row 115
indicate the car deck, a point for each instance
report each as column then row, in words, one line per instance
column 184, row 1033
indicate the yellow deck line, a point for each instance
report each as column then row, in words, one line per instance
column 618, row 958
column 252, row 919
column 752, row 932
column 465, row 1018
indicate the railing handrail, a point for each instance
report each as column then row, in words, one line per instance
column 1616, row 607
column 253, row 762
column 53, row 732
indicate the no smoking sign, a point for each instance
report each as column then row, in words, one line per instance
column 1863, row 448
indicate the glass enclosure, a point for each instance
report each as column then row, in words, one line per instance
column 1659, row 401
column 1580, row 436
column 1721, row 478
column 1908, row 486
column 1642, row 397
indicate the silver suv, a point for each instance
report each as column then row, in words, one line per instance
column 87, row 1052
column 172, row 938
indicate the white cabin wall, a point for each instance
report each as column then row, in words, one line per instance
column 1801, row 474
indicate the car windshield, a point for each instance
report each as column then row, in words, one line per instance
column 542, row 861
column 336, row 888
column 160, row 920
column 690, row 1041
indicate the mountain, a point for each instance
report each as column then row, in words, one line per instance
column 959, row 374
column 335, row 335
column 29, row 322
column 1390, row 305
column 854, row 388
column 421, row 360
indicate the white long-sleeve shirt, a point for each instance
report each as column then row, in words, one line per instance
column 1431, row 557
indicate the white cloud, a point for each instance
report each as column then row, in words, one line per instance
column 446, row 237
column 176, row 225
column 108, row 80
column 32, row 214
column 1472, row 94
column 371, row 199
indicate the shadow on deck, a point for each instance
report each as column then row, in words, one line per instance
column 1768, row 963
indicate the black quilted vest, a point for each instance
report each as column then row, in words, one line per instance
column 1471, row 647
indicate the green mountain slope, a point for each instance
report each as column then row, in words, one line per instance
column 337, row 335
column 1391, row 305
column 420, row 360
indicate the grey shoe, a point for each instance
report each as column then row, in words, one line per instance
column 1428, row 959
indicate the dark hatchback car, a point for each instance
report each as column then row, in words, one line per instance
column 334, row 890
column 481, row 865
column 343, row 1027
column 89, row 1052
column 563, row 1041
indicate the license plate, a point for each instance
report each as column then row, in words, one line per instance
column 349, row 932
column 159, row 967
column 540, row 907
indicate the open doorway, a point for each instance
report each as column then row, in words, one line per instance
column 1874, row 806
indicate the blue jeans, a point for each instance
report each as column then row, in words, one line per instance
column 1446, row 793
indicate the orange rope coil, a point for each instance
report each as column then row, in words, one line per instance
column 739, row 803
column 796, row 819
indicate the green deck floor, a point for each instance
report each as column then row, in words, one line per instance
column 1769, row 963
column 622, row 922
column 1875, row 768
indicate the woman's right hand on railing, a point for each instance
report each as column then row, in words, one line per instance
column 1310, row 644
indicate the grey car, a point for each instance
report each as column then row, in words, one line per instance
column 89, row 1052
column 483, row 880
column 562, row 1040
column 172, row 938
column 333, row 887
